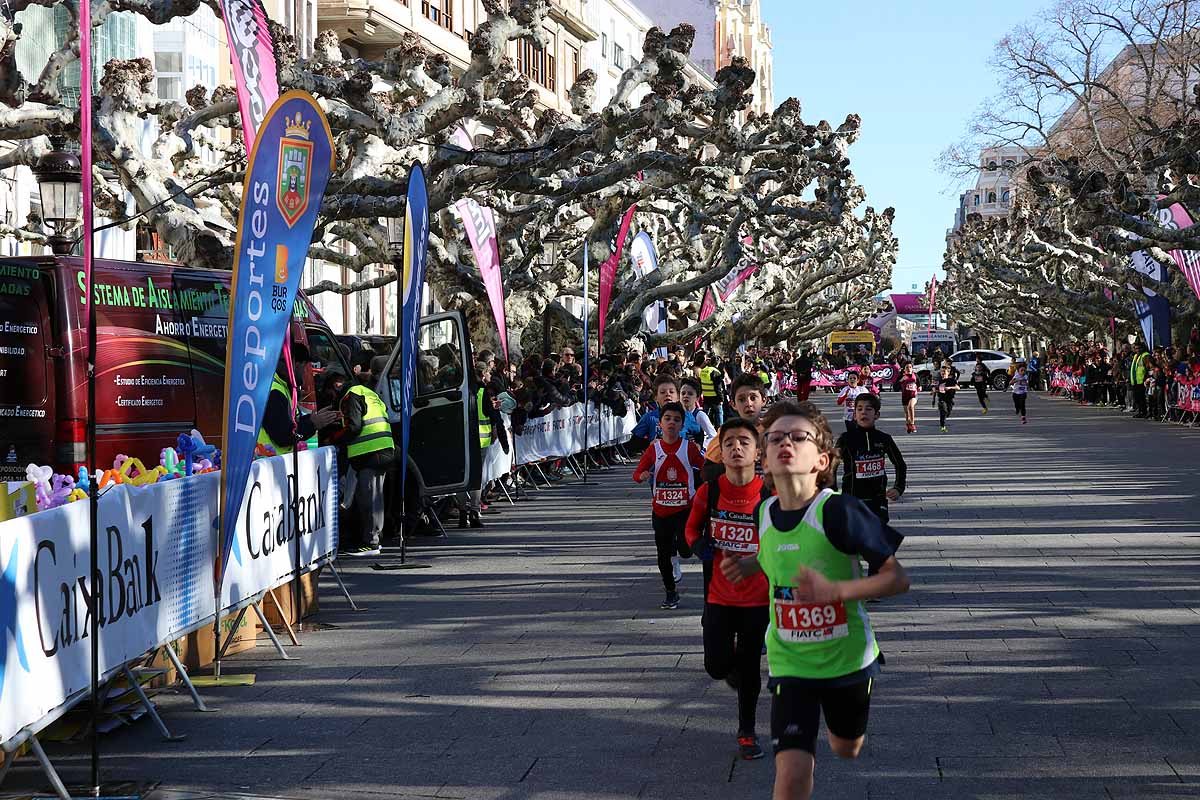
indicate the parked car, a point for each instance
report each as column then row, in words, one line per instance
column 996, row 361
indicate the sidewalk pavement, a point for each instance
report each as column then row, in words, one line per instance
column 1047, row 649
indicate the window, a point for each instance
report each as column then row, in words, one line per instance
column 618, row 56
column 976, row 199
column 1004, row 196
column 991, row 166
column 1009, row 164
column 991, row 197
column 440, row 11
column 537, row 65
column 573, row 63
column 169, row 82
column 604, row 45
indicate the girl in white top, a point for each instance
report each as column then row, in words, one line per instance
column 847, row 395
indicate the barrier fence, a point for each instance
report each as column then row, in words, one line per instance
column 559, row 434
column 882, row 376
column 157, row 553
column 1183, row 391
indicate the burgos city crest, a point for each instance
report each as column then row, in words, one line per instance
column 295, row 169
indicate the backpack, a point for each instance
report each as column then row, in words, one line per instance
column 704, row 549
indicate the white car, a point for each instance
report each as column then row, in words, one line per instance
column 996, row 361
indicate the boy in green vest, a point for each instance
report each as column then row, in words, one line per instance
column 821, row 650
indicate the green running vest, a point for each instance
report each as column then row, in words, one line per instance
column 376, row 433
column 811, row 640
column 708, row 386
column 485, row 422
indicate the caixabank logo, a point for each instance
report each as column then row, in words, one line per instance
column 10, row 630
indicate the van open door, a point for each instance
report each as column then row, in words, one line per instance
column 443, row 442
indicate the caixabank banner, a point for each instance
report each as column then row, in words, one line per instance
column 154, row 584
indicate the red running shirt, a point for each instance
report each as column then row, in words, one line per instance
column 734, row 532
column 672, row 467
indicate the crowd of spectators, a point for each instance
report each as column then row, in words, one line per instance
column 1149, row 384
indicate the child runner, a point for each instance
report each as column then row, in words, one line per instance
column 910, row 387
column 672, row 463
column 863, row 451
column 821, row 651
column 748, row 399
column 847, row 396
column 947, row 385
column 735, row 617
column 1020, row 390
column 697, row 427
column 979, row 379
column 666, row 390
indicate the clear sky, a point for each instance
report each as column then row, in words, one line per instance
column 916, row 73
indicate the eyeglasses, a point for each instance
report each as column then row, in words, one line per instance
column 797, row 437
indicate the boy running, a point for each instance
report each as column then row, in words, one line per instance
column 666, row 390
column 735, row 617
column 821, row 650
column 1020, row 390
column 847, row 396
column 748, row 399
column 672, row 464
column 863, row 451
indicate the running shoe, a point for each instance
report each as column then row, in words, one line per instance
column 748, row 747
column 672, row 601
column 364, row 551
column 985, row 411
column 1023, row 420
column 944, row 430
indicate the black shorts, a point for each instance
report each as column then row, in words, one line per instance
column 796, row 710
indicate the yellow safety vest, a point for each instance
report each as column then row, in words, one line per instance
column 376, row 433
column 1137, row 369
column 485, row 422
column 708, row 386
column 265, row 440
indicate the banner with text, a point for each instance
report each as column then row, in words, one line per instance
column 252, row 51
column 412, row 281
column 155, row 560
column 645, row 261
column 480, row 224
column 285, row 184
column 561, row 433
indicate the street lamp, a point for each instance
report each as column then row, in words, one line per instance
column 59, row 175
column 550, row 250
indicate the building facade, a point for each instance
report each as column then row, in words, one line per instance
column 994, row 188
column 725, row 29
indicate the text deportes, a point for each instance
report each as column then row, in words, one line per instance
column 246, row 415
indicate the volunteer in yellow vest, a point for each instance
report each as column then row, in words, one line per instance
column 280, row 432
column 491, row 432
column 1138, row 369
column 712, row 387
column 363, row 436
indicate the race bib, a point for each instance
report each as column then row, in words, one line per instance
column 734, row 536
column 808, row 622
column 868, row 468
column 671, row 496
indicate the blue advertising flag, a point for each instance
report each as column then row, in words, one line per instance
column 416, row 255
column 286, row 176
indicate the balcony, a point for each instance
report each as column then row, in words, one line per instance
column 374, row 26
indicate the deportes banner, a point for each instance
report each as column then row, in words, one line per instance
column 608, row 270
column 155, row 561
column 412, row 279
column 252, row 51
column 480, row 223
column 645, row 261
column 285, row 183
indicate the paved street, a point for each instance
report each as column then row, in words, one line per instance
column 1048, row 647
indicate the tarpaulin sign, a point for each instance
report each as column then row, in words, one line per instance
column 285, row 184
column 252, row 50
column 480, row 224
column 608, row 270
column 416, row 251
column 645, row 261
